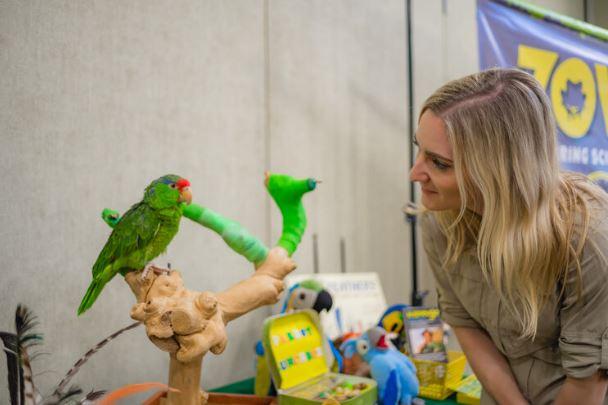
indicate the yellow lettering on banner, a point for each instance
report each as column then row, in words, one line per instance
column 541, row 62
column 601, row 73
column 598, row 176
column 574, row 124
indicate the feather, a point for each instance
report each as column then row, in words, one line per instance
column 67, row 396
column 131, row 389
column 88, row 355
column 25, row 322
column 93, row 396
column 12, row 364
column 28, row 382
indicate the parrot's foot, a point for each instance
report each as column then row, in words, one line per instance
column 147, row 269
column 160, row 271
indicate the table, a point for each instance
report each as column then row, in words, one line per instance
column 246, row 387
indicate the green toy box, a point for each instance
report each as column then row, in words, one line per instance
column 299, row 359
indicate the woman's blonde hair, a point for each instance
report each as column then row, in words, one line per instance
column 535, row 219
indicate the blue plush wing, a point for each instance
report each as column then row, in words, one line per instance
column 387, row 377
column 337, row 355
column 392, row 390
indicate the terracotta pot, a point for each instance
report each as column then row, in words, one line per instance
column 217, row 398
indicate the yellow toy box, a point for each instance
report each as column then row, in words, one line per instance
column 299, row 359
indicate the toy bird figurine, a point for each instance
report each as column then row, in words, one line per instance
column 143, row 233
column 308, row 294
column 393, row 371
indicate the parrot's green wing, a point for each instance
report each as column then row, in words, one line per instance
column 134, row 232
column 125, row 249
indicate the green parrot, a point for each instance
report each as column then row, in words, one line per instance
column 143, row 233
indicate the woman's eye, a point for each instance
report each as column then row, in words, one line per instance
column 440, row 165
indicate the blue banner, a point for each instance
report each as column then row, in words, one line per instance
column 571, row 66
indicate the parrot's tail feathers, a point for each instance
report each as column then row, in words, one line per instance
column 91, row 295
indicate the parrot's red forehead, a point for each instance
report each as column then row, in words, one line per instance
column 181, row 183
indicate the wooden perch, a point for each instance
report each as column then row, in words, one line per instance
column 188, row 324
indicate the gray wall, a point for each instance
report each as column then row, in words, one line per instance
column 598, row 10
column 98, row 98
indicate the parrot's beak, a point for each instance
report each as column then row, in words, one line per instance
column 323, row 302
column 382, row 343
column 185, row 195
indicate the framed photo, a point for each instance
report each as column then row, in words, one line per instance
column 425, row 334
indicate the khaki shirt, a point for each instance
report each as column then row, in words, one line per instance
column 572, row 336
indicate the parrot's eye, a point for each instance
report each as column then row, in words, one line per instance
column 173, row 185
column 362, row 347
column 302, row 296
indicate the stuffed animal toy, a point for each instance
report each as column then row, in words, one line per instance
column 393, row 371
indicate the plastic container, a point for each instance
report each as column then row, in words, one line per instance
column 299, row 360
column 437, row 377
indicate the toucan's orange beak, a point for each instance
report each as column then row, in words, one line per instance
column 185, row 195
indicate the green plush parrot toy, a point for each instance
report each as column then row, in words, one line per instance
column 143, row 233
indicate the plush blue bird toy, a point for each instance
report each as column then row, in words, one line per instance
column 393, row 371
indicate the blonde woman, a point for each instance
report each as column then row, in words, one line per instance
column 517, row 247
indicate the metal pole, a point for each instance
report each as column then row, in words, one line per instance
column 416, row 298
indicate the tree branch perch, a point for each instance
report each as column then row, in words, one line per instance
column 188, row 323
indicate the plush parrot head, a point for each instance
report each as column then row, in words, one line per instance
column 168, row 191
column 392, row 319
column 376, row 340
column 308, row 294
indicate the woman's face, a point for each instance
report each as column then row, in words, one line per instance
column 434, row 166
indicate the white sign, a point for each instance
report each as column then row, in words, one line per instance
column 358, row 301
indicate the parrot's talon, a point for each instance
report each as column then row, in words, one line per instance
column 146, row 271
column 161, row 272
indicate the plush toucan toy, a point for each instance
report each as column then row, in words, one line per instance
column 393, row 371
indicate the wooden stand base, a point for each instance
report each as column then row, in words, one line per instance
column 188, row 324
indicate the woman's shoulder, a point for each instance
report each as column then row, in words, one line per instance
column 586, row 201
column 597, row 232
